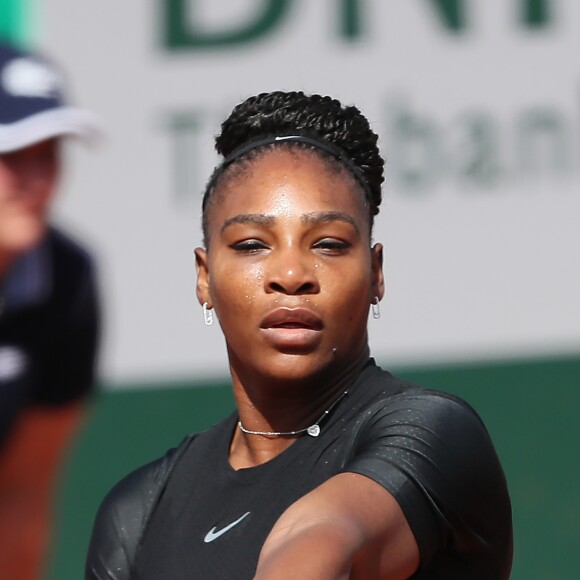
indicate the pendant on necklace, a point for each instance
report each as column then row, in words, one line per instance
column 313, row 430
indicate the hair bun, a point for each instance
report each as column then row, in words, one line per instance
column 320, row 117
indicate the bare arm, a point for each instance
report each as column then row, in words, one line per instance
column 349, row 527
column 28, row 471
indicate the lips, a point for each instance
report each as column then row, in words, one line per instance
column 292, row 318
column 292, row 330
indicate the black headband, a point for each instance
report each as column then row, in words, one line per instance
column 329, row 148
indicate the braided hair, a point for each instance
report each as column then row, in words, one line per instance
column 262, row 118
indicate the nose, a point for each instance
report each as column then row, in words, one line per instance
column 291, row 272
column 31, row 170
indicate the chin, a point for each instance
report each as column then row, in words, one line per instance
column 21, row 236
column 292, row 367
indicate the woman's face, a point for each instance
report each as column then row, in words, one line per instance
column 28, row 180
column 289, row 270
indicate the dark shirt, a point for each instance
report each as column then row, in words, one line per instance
column 49, row 327
column 429, row 449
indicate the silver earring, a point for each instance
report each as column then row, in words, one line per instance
column 207, row 315
column 376, row 310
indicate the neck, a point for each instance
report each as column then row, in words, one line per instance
column 286, row 410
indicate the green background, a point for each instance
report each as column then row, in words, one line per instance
column 530, row 407
column 15, row 20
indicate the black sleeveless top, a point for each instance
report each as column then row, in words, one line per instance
column 191, row 516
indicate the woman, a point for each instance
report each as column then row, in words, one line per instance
column 330, row 467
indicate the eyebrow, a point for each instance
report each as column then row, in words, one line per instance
column 328, row 216
column 258, row 219
column 312, row 218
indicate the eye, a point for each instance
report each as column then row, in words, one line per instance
column 332, row 246
column 249, row 246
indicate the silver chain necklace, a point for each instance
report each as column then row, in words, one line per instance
column 313, row 430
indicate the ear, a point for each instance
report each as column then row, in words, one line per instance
column 202, row 269
column 378, row 279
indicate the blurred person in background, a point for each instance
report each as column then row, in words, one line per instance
column 49, row 316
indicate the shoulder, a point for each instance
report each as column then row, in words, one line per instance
column 422, row 407
column 432, row 433
column 67, row 249
column 433, row 453
column 75, row 287
column 393, row 402
column 123, row 516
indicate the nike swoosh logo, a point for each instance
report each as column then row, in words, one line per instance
column 214, row 534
